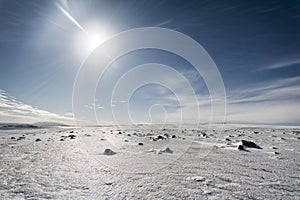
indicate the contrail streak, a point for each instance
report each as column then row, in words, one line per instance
column 72, row 19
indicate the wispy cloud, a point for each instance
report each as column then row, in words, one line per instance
column 164, row 23
column 15, row 111
column 275, row 90
column 269, row 102
column 281, row 64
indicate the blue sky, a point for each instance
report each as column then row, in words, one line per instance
column 255, row 45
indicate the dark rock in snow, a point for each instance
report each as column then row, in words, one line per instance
column 249, row 144
column 160, row 137
column 174, row 136
column 120, row 132
column 12, row 138
column 61, row 139
column 109, row 152
column 241, row 147
column 150, row 134
column 140, row 144
column 168, row 150
column 71, row 131
column 72, row 136
column 276, row 153
column 21, row 138
column 38, row 140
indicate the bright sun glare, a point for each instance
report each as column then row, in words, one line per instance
column 95, row 40
column 91, row 40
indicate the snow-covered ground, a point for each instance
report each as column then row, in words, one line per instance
column 149, row 163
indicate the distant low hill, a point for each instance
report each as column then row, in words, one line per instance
column 47, row 124
column 16, row 126
column 8, row 126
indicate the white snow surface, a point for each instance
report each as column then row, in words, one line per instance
column 198, row 164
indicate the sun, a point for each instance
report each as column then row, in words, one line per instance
column 86, row 42
column 89, row 40
column 95, row 39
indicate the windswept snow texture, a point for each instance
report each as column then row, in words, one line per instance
column 70, row 163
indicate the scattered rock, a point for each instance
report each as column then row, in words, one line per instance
column 125, row 140
column 128, row 135
column 21, row 138
column 174, row 136
column 12, row 138
column 140, row 144
column 109, row 152
column 227, row 139
column 120, row 132
column 71, row 131
column 207, row 192
column 38, row 140
column 274, row 148
column 168, row 150
column 196, row 178
column 150, row 134
column 241, row 147
column 72, row 136
column 249, row 144
column 276, row 153
column 62, row 139
column 160, row 137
